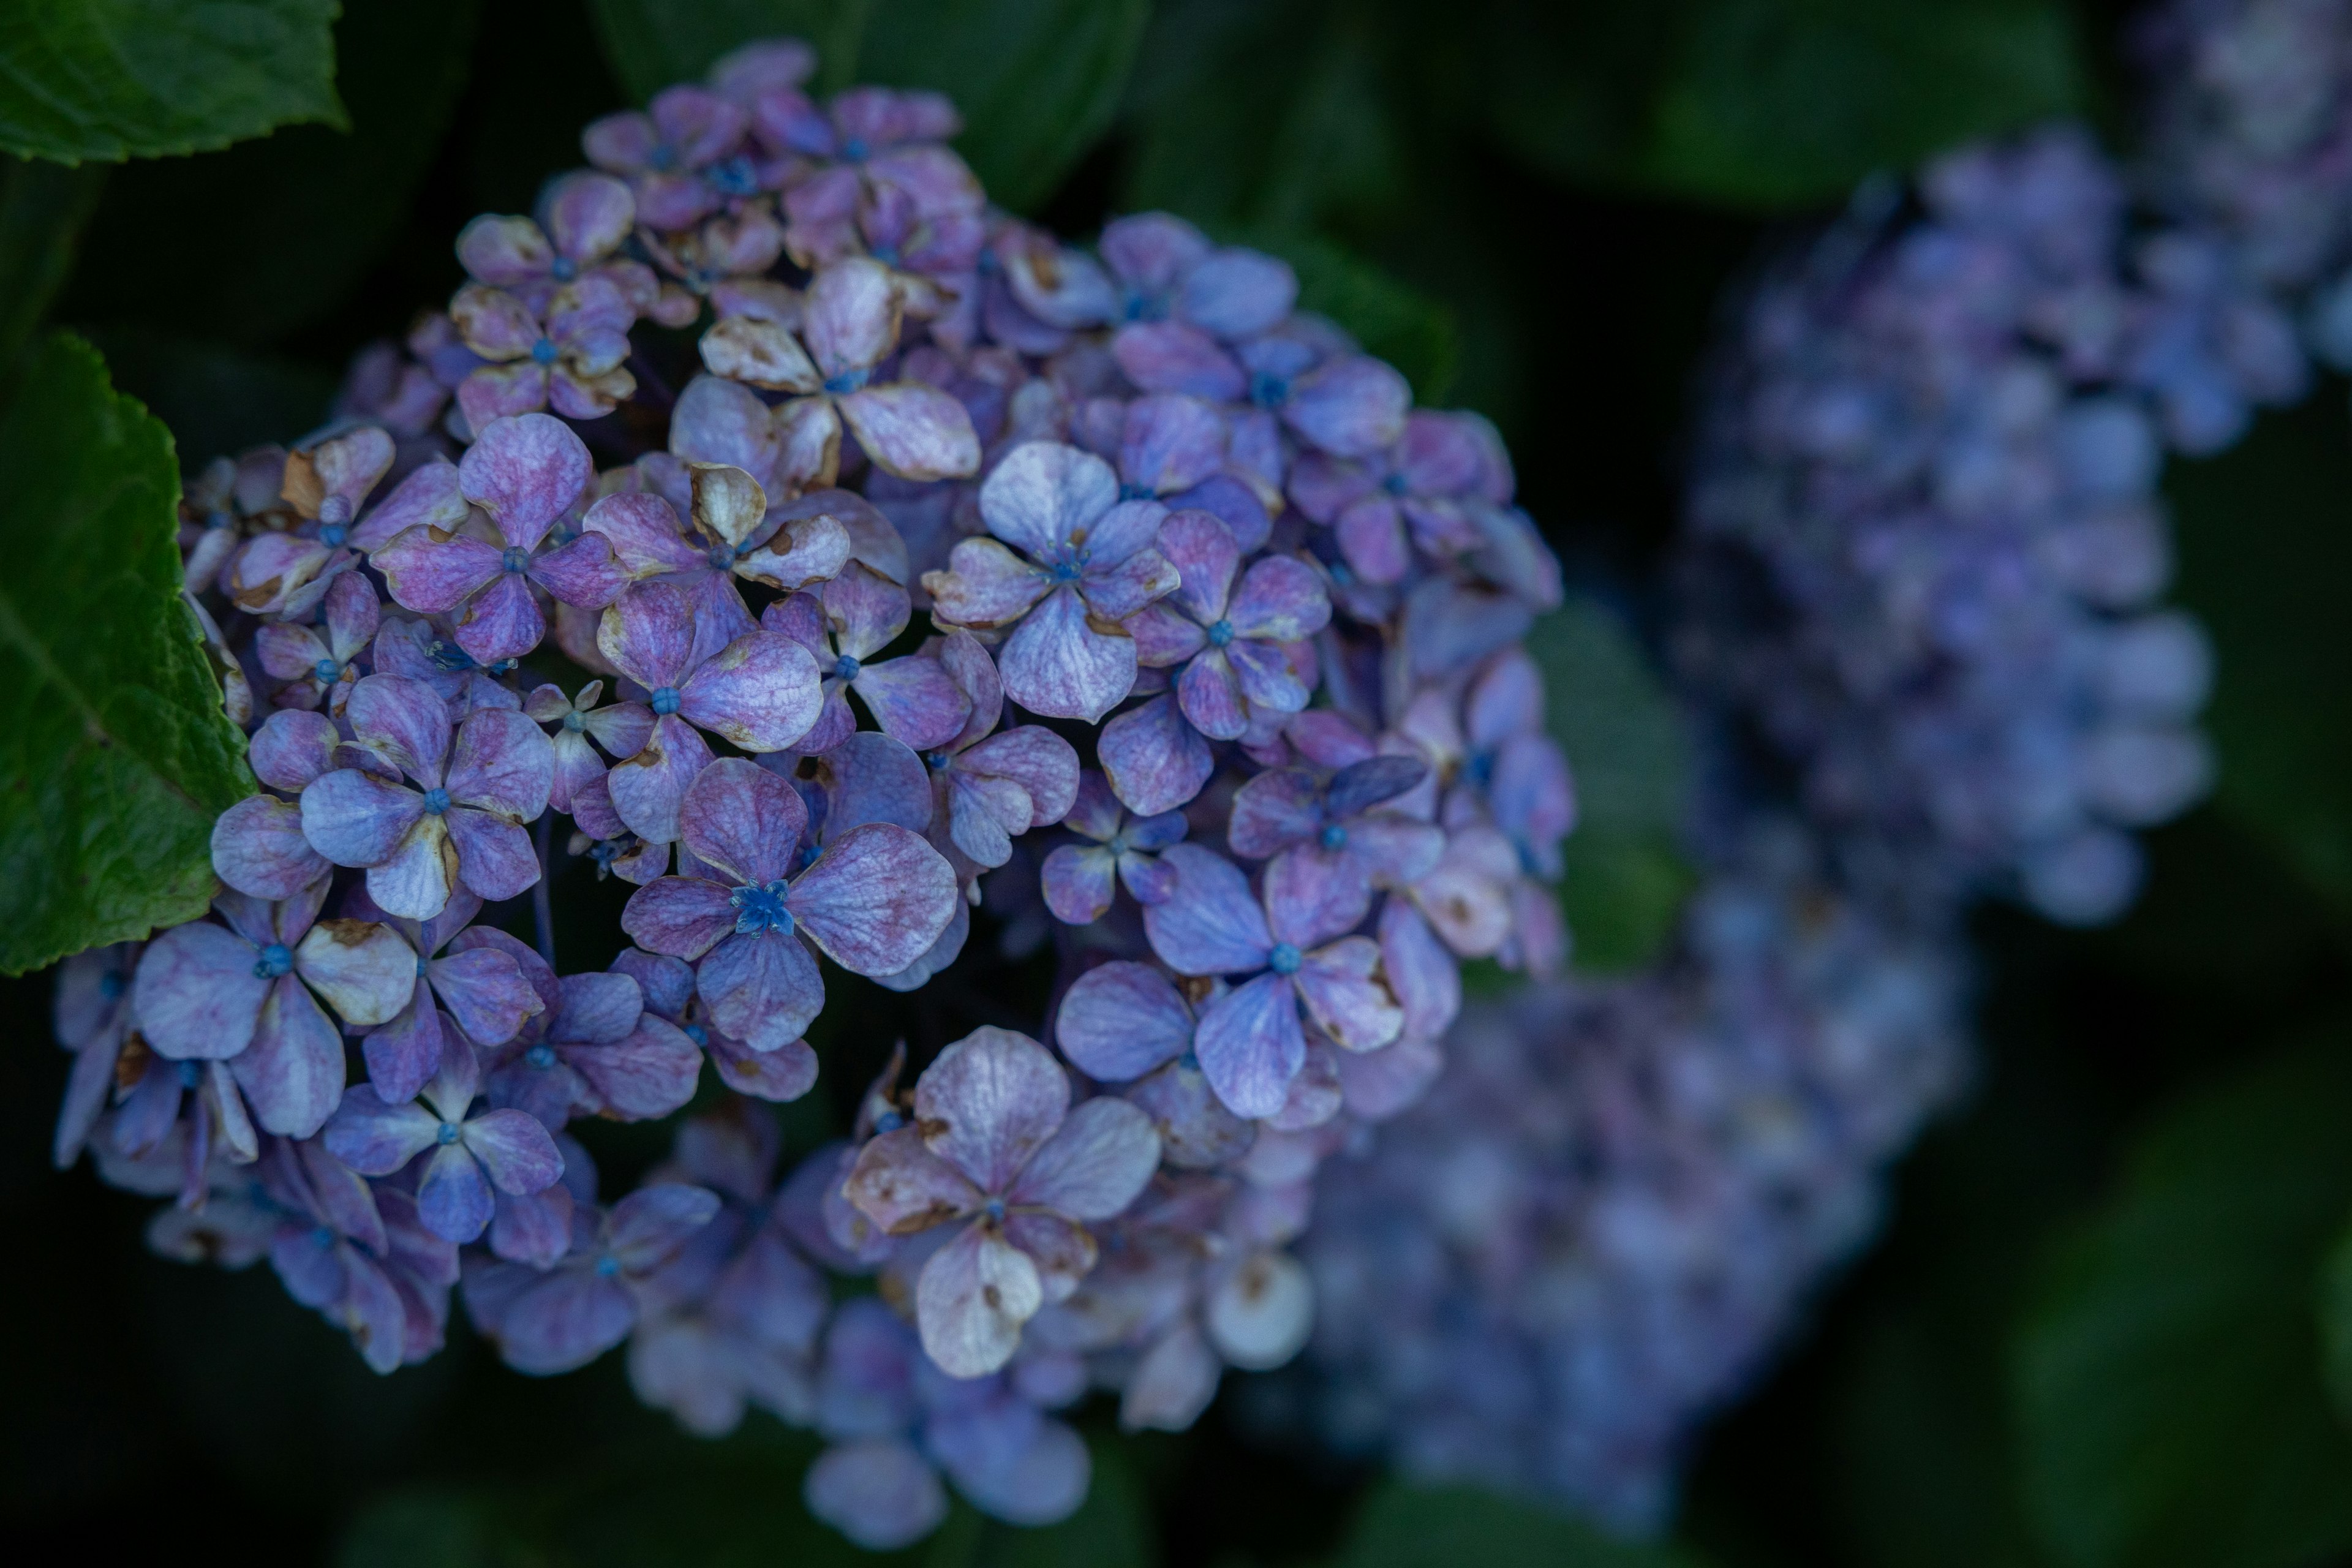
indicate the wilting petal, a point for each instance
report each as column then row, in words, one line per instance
column 1141, row 579
column 1094, row 1166
column 764, row 989
column 1077, row 880
column 1260, row 1316
column 1196, row 1131
column 804, row 551
column 744, row 820
column 196, row 993
column 913, row 432
column 525, row 472
column 876, row 899
column 365, row 972
column 988, row 1102
column 292, row 1074
column 1466, row 898
column 1043, row 494
column 433, row 575
column 1169, row 356
column 985, row 584
column 1209, row 924
column 971, row 1299
column 1350, row 408
column 1121, row 1020
column 904, row 1187
column 783, row 1074
column 1346, row 998
column 1153, row 757
column 762, row 693
column 680, row 916
column 430, row 497
column 721, row 421
column 879, row 1492
column 1062, row 1250
column 258, row 847
column 648, row 788
column 648, row 635
column 1058, row 665
column 1250, row 1045
column 762, row 353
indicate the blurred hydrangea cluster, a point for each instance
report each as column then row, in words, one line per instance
column 1917, row 616
column 816, row 541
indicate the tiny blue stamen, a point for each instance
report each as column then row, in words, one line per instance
column 220, row 516
column 1219, row 633
column 1480, row 767
column 697, row 1033
column 1117, row 844
column 937, row 760
column 721, row 557
column 888, row 255
column 803, row 857
column 994, row 1210
column 1065, row 570
column 541, row 1056
column 575, row 722
column 1268, row 390
column 665, row 700
column 854, row 150
column 328, row 671
column 503, row 666
column 543, row 352
column 735, row 177
column 332, row 534
column 762, row 909
column 1189, row 1062
column 448, row 1135
column 846, row 667
column 607, row 1267
column 663, row 158
column 848, row 382
column 1135, row 492
column 888, row 1122
column 111, row 986
column 563, row 270
column 277, row 959
column 1333, row 836
column 515, row 561
column 1284, row 959
column 1393, row 484
column 422, row 964
column 450, row 656
column 437, row 801
column 190, row 1075
column 322, row 1238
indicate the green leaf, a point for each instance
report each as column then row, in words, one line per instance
column 2166, row 1378
column 42, row 209
column 1404, row 1526
column 1771, row 103
column 2336, row 1321
column 267, row 237
column 429, row 1527
column 117, row 756
column 142, row 79
column 1626, row 878
column 1036, row 81
column 1392, row 320
column 2265, row 563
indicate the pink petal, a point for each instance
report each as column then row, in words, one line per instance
column 428, row 498
column 644, row 533
column 582, row 572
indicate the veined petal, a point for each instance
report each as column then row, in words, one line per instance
column 648, row 788
column 414, row 882
column 1057, row 663
column 1280, row 600
column 762, row 693
column 904, row 1187
column 525, row 472
column 1043, row 492
column 971, row 1301
column 744, row 820
column 985, row 584
column 292, row 1074
column 1250, row 1045
column 989, row 1102
column 1209, row 924
column 1119, row 1020
column 1077, row 881
column 680, row 916
column 365, row 970
column 196, row 993
column 876, row 899
column 912, row 432
column 258, row 847
column 1095, row 1164
column 764, row 989
column 494, row 857
column 1171, row 356
column 1341, row 987
column 355, row 818
column 501, row 762
column 1153, row 757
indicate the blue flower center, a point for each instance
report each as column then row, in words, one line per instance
column 1527, row 861
column 1189, row 1062
column 322, row 1238
column 604, row 852
column 888, row 255
column 994, row 1209
column 845, row 668
column 328, row 671
column 723, row 557
column 501, row 666
column 446, row 1135
column 888, row 1122
column 988, row 266
column 937, row 760
column 697, row 1033
column 189, row 1075
column 1393, row 484
column 607, row 1267
column 733, row 177
column 1333, row 836
column 277, row 959
column 1268, row 390
column 450, row 656
column 665, row 700
column 515, row 561
column 422, row 964
column 1117, row 844
column 220, row 516
column 1219, row 633
column 541, row 1056
column 1284, row 959
column 563, row 270
column 110, row 985
column 1479, row 767
column 575, row 722
column 759, row 910
column 437, row 801
column 854, row 150
column 803, row 857
column 1341, row 575
column 662, row 158
column 332, row 534
column 543, row 351
column 1134, row 493
column 846, row 382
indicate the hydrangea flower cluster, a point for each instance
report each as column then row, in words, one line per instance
column 1925, row 545
column 945, row 550
column 1604, row 1215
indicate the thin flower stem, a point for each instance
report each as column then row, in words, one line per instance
column 542, row 915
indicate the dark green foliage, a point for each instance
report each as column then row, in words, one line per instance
column 1626, row 877
column 1412, row 1527
column 2168, row 1373
column 243, row 245
column 115, row 755
column 42, row 209
column 2266, row 541
column 141, row 78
